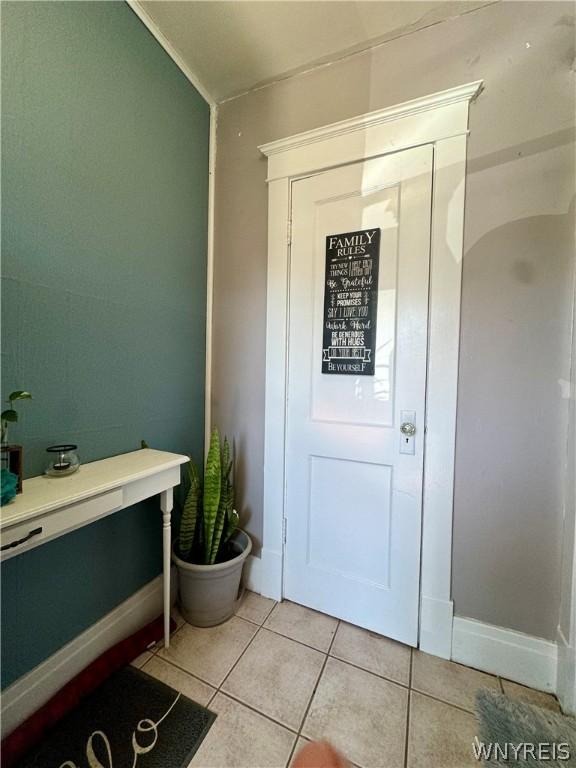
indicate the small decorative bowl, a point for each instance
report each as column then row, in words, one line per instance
column 63, row 460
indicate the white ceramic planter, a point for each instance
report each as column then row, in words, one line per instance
column 207, row 593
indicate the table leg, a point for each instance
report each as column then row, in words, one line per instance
column 166, row 505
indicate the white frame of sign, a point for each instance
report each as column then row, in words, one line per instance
column 441, row 120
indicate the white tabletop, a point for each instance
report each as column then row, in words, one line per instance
column 43, row 494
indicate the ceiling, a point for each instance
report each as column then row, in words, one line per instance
column 232, row 46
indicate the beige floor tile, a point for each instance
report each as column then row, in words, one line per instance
column 212, row 652
column 439, row 735
column 181, row 681
column 241, row 738
column 448, row 681
column 530, row 696
column 372, row 652
column 303, row 624
column 139, row 661
column 363, row 715
column 276, row 676
column 255, row 607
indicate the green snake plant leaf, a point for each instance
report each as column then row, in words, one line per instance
column 225, row 499
column 233, row 523
column 226, row 464
column 190, row 512
column 20, row 394
column 218, row 528
column 212, row 487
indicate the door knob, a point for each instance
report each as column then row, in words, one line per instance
column 408, row 429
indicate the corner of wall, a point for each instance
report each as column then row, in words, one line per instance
column 210, row 274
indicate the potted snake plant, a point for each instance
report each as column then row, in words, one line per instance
column 211, row 549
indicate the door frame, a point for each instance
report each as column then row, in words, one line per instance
column 440, row 119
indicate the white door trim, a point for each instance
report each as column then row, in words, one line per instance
column 442, row 120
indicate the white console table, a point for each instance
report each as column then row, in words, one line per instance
column 49, row 507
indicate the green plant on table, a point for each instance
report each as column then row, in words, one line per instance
column 10, row 415
column 208, row 516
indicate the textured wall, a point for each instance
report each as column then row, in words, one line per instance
column 104, row 193
column 516, row 281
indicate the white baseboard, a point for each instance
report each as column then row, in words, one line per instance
column 34, row 688
column 436, row 617
column 566, row 685
column 513, row 655
column 271, row 574
column 263, row 574
column 252, row 574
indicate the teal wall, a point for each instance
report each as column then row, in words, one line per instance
column 104, row 225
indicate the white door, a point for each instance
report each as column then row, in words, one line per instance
column 353, row 478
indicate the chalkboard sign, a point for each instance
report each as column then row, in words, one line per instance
column 351, row 302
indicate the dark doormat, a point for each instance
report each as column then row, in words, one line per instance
column 131, row 721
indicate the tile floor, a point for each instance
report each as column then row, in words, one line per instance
column 280, row 674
